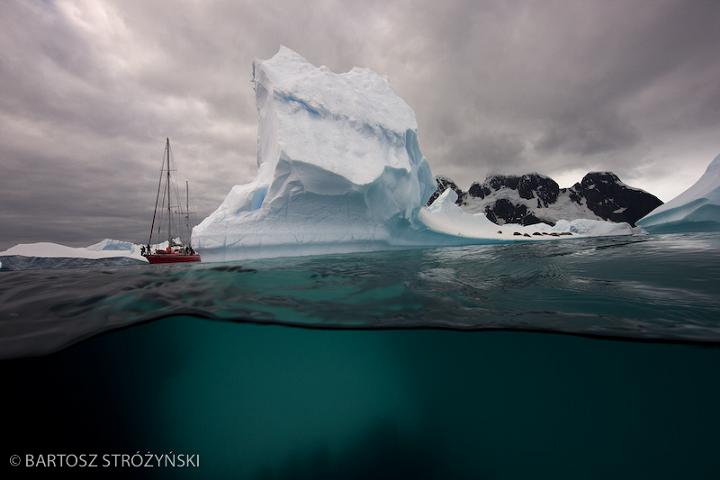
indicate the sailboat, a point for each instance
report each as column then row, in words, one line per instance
column 179, row 248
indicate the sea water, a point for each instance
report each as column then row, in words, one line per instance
column 398, row 369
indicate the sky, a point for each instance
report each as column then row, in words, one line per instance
column 90, row 89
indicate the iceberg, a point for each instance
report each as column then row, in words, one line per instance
column 110, row 244
column 104, row 249
column 697, row 209
column 339, row 167
column 339, row 170
column 54, row 255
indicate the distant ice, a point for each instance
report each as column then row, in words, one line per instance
column 104, row 249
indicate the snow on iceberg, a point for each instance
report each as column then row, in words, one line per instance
column 444, row 215
column 110, row 244
column 696, row 209
column 339, row 170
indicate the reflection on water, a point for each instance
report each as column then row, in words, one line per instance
column 664, row 287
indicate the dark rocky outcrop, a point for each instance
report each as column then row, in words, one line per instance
column 528, row 186
column 504, row 211
column 479, row 190
column 612, row 200
column 443, row 183
column 545, row 189
column 531, row 198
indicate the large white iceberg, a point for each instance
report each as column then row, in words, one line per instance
column 696, row 209
column 339, row 169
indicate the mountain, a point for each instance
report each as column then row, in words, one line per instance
column 533, row 198
column 696, row 209
column 443, row 183
column 446, row 216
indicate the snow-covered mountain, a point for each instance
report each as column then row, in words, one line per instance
column 696, row 209
column 533, row 198
column 445, row 215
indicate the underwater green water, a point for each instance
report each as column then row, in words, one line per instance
column 278, row 402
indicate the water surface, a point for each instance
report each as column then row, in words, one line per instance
column 664, row 287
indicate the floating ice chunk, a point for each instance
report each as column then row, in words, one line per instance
column 56, row 250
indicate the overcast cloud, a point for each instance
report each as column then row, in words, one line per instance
column 90, row 89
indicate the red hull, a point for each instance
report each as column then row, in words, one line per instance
column 172, row 258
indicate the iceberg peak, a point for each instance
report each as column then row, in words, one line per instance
column 359, row 93
column 714, row 165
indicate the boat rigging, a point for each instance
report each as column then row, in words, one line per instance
column 179, row 247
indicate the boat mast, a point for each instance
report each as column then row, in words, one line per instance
column 157, row 201
column 187, row 210
column 167, row 147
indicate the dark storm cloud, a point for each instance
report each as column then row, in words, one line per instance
column 90, row 89
column 589, row 134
